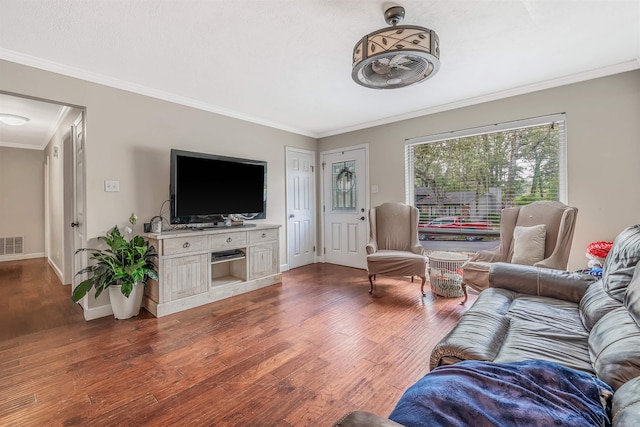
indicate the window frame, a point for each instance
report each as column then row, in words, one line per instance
column 559, row 118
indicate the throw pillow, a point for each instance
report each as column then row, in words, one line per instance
column 528, row 244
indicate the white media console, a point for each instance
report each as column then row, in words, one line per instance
column 199, row 267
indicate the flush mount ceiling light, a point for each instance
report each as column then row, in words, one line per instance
column 12, row 119
column 396, row 56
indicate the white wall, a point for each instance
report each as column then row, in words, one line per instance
column 22, row 199
column 128, row 138
column 603, row 149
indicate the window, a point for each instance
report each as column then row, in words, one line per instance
column 343, row 191
column 474, row 173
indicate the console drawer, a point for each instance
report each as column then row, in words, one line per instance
column 259, row 236
column 228, row 240
column 185, row 245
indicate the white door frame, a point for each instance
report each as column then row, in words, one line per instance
column 322, row 189
column 313, row 198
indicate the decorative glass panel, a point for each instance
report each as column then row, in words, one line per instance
column 343, row 194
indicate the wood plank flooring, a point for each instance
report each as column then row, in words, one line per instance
column 300, row 353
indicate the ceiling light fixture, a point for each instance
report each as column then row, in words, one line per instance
column 12, row 119
column 396, row 56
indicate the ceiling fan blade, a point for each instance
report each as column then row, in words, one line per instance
column 398, row 60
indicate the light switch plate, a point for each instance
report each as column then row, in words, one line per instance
column 374, row 188
column 110, row 185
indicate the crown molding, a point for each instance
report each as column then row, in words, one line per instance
column 78, row 73
column 47, row 65
column 62, row 113
column 21, row 146
column 521, row 90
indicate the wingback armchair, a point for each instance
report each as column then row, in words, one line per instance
column 394, row 249
column 554, row 223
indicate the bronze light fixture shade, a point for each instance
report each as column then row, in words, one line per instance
column 397, row 56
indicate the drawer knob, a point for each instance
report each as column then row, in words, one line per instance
column 186, row 245
column 264, row 235
column 229, row 239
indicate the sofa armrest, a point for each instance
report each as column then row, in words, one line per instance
column 365, row 419
column 418, row 249
column 487, row 256
column 545, row 282
column 625, row 411
column 372, row 247
column 479, row 333
column 552, row 262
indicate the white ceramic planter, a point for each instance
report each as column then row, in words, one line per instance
column 123, row 307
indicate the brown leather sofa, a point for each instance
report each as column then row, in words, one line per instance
column 571, row 319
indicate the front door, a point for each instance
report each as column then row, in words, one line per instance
column 345, row 206
column 301, row 207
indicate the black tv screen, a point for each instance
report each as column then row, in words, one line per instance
column 206, row 188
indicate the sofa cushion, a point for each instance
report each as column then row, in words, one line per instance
column 614, row 344
column 625, row 410
column 632, row 296
column 545, row 329
column 620, row 263
column 596, row 303
column 528, row 244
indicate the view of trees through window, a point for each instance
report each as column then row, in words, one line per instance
column 474, row 177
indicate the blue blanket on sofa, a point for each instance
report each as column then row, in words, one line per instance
column 528, row 393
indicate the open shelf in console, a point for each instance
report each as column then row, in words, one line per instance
column 227, row 267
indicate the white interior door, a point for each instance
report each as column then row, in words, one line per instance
column 301, row 224
column 345, row 181
column 79, row 223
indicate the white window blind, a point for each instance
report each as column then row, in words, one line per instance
column 474, row 173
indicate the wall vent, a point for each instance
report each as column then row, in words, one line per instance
column 11, row 245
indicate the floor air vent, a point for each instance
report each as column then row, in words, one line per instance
column 11, row 245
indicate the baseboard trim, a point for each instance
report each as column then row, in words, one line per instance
column 20, row 257
column 284, row 267
column 56, row 270
column 98, row 312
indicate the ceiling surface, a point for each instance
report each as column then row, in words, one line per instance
column 287, row 64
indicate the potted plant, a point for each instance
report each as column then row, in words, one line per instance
column 123, row 268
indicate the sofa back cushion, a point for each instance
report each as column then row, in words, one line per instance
column 596, row 303
column 619, row 265
column 613, row 348
column 632, row 296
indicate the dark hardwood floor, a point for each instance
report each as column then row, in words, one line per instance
column 33, row 299
column 299, row 353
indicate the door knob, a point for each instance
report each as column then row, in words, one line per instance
column 291, row 216
column 361, row 218
column 74, row 224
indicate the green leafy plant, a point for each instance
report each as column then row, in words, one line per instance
column 125, row 263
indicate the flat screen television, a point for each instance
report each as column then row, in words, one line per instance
column 207, row 188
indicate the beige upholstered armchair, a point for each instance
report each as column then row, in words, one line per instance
column 538, row 234
column 394, row 249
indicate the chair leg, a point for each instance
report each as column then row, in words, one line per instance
column 371, row 282
column 424, row 279
column 465, row 291
column 411, row 279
